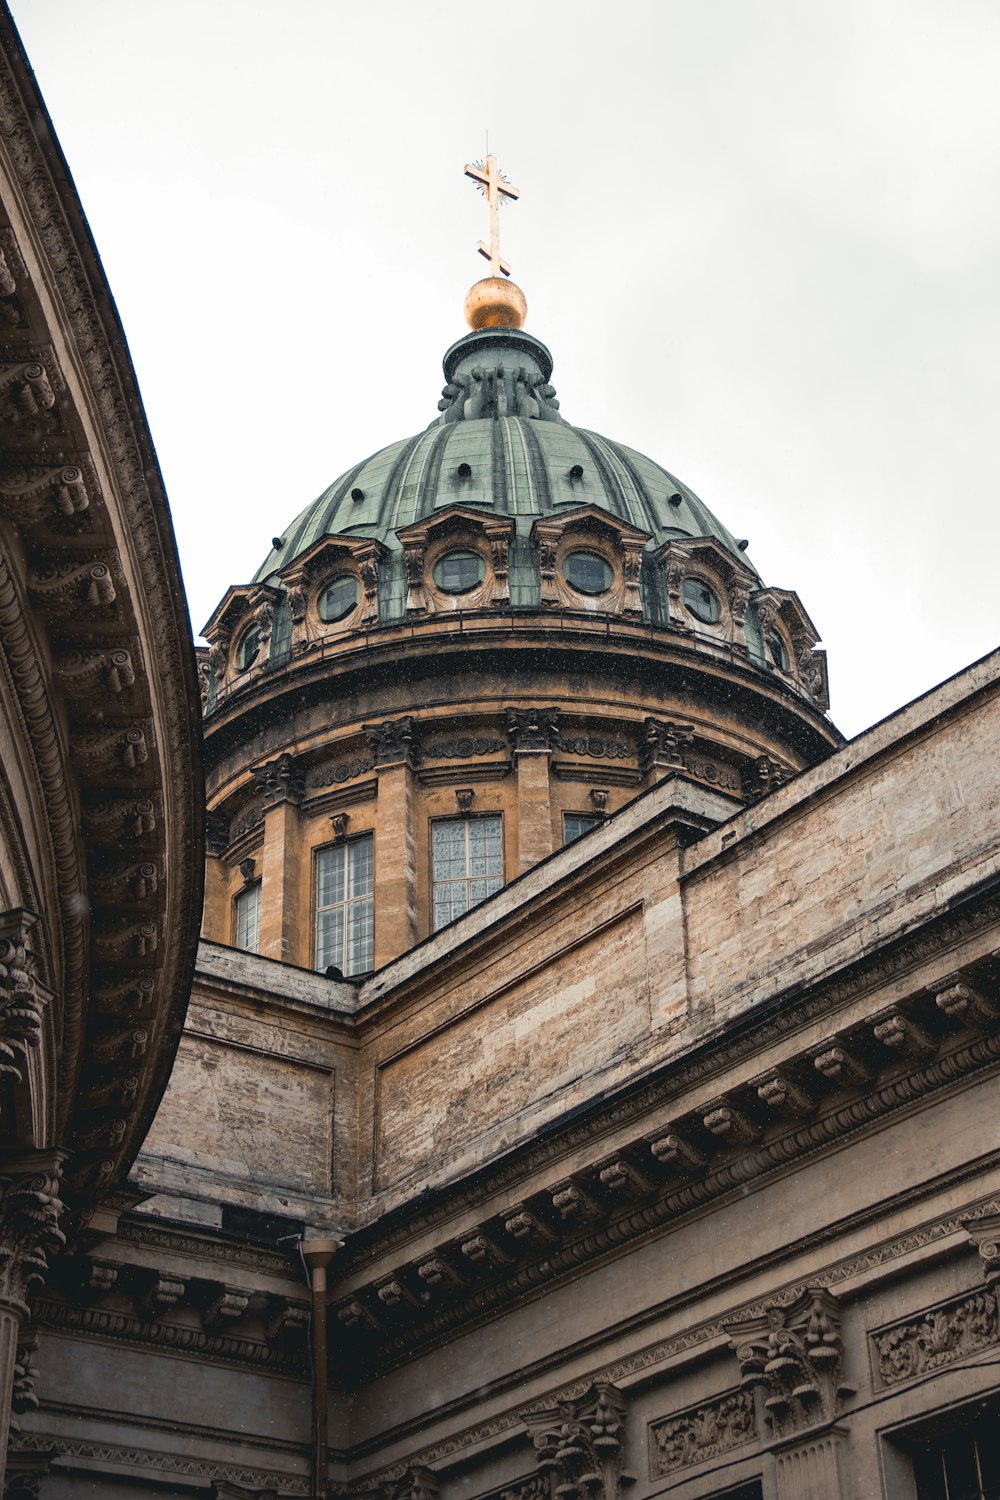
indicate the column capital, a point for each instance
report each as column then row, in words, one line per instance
column 30, row 1210
column 580, row 1444
column 794, row 1355
column 392, row 742
column 535, row 730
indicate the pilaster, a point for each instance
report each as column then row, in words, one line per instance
column 30, row 1209
column 394, row 749
column 281, row 924
column 534, row 733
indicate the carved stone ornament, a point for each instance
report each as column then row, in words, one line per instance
column 663, row 744
column 417, row 1484
column 464, row 796
column 30, row 1210
column 532, row 729
column 392, row 743
column 339, row 824
column 23, row 997
column 702, row 1432
column 934, row 1338
column 794, row 1355
column 35, row 494
column 765, row 775
column 580, row 1444
column 280, row 780
column 985, row 1235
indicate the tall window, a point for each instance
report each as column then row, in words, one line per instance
column 345, row 908
column 247, row 918
column 466, row 864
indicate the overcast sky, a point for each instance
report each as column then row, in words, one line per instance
column 760, row 237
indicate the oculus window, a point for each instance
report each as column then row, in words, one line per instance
column 588, row 573
column 459, row 572
column 466, row 864
column 338, row 599
column 700, row 600
column 345, row 906
column 246, row 919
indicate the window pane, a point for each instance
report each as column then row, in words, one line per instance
column 345, row 911
column 248, row 918
column 575, row 824
column 466, row 864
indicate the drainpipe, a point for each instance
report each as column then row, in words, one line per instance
column 316, row 1256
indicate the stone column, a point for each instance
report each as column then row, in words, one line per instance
column 792, row 1357
column 216, row 916
column 534, row 734
column 30, row 1210
column 394, row 749
column 284, row 927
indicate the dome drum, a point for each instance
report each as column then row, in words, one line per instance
column 470, row 649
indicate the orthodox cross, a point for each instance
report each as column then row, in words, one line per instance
column 496, row 187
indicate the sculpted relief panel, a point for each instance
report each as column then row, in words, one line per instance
column 441, row 1095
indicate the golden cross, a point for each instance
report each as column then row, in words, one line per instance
column 496, row 187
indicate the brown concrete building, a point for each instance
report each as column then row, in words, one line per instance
column 589, row 1079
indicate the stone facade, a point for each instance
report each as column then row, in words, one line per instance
column 668, row 1168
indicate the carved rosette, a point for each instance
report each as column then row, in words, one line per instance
column 535, row 730
column 580, row 1445
column 794, row 1356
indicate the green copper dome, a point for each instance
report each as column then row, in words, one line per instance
column 501, row 446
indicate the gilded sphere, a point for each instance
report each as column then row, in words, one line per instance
column 495, row 303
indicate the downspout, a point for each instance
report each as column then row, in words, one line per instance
column 316, row 1256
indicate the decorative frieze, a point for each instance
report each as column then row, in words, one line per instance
column 936, row 1337
column 794, row 1355
column 579, row 1444
column 336, row 775
column 702, row 1432
column 463, row 747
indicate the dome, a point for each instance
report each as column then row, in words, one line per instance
column 502, row 447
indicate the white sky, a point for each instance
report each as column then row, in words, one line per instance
column 760, row 237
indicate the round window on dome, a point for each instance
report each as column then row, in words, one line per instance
column 588, row 573
column 248, row 649
column 778, row 651
column 338, row 599
column 700, row 600
column 459, row 572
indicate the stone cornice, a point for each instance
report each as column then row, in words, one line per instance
column 671, row 1165
column 81, row 473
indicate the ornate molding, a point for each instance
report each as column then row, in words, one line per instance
column 579, row 1444
column 939, row 1336
column 23, row 997
column 794, row 1354
column 702, row 1432
column 532, row 730
column 118, row 1455
column 393, row 742
column 30, row 1210
column 280, row 780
